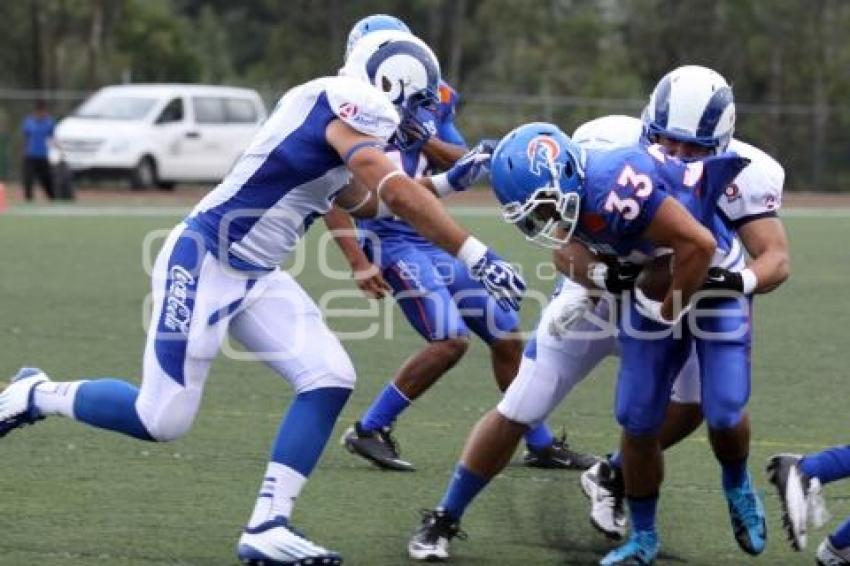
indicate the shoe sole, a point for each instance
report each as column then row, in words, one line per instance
column 772, row 470
column 427, row 557
column 610, row 535
column 380, row 464
column 250, row 556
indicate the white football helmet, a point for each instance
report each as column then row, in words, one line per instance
column 399, row 64
column 692, row 104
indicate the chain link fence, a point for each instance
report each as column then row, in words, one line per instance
column 812, row 143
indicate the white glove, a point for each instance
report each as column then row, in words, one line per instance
column 652, row 309
column 569, row 309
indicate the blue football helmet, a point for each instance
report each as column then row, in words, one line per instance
column 375, row 22
column 692, row 104
column 537, row 173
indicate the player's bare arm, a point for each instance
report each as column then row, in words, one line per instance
column 441, row 153
column 402, row 195
column 693, row 247
column 576, row 260
column 366, row 275
column 767, row 243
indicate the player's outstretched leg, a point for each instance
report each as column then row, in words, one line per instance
column 604, row 487
column 109, row 404
column 269, row 539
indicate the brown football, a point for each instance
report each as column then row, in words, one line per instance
column 655, row 277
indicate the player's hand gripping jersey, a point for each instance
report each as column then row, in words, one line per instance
column 289, row 174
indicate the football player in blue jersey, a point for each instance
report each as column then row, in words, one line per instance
column 618, row 202
column 749, row 207
column 438, row 298
column 218, row 272
column 799, row 481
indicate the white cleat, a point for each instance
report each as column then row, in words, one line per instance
column 16, row 401
column 828, row 555
column 606, row 493
column 800, row 496
column 275, row 543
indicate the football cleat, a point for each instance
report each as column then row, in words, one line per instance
column 431, row 540
column 377, row 446
column 16, row 401
column 747, row 515
column 276, row 543
column 603, row 486
column 800, row 496
column 640, row 550
column 558, row 455
column 828, row 555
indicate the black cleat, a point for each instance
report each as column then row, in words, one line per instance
column 558, row 455
column 377, row 446
column 430, row 542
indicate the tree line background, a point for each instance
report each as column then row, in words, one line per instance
column 560, row 60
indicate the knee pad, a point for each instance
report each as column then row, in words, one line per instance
column 170, row 418
column 639, row 421
column 724, row 413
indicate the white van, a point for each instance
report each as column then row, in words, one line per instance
column 160, row 134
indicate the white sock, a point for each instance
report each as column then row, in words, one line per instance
column 56, row 398
column 281, row 486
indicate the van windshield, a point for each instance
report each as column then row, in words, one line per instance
column 116, row 107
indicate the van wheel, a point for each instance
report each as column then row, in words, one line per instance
column 143, row 176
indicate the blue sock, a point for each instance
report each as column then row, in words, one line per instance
column 827, row 466
column 110, row 404
column 307, row 426
column 385, row 408
column 734, row 473
column 615, row 460
column 840, row 538
column 462, row 489
column 539, row 437
column 642, row 511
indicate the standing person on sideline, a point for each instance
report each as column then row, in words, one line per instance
column 37, row 128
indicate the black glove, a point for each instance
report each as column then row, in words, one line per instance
column 722, row 279
column 616, row 277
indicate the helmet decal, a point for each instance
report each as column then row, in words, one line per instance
column 717, row 105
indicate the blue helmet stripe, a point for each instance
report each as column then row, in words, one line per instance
column 717, row 104
column 662, row 102
column 386, row 51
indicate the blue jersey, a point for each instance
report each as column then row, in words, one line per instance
column 289, row 174
column 624, row 188
column 415, row 164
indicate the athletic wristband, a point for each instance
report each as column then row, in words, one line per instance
column 471, row 251
column 599, row 275
column 441, row 184
column 749, row 280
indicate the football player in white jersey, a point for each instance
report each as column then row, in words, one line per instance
column 218, row 271
column 439, row 300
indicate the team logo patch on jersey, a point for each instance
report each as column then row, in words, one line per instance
column 542, row 152
column 347, row 110
column 732, row 192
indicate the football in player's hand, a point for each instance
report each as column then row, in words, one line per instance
column 655, row 277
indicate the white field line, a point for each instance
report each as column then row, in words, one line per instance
column 460, row 211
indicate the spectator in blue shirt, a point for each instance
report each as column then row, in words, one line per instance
column 37, row 129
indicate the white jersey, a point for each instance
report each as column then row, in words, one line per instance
column 755, row 193
column 289, row 174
